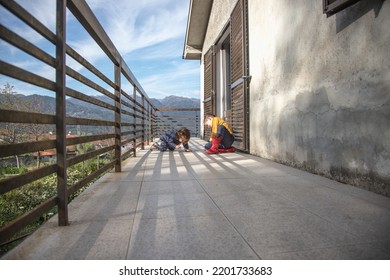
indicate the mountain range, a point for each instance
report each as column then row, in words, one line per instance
column 174, row 101
column 78, row 108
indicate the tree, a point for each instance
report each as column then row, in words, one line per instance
column 14, row 132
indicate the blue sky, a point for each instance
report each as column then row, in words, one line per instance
column 149, row 35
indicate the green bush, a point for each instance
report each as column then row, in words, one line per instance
column 17, row 202
column 12, row 170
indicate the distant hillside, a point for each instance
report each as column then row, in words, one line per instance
column 77, row 108
column 80, row 109
column 174, row 101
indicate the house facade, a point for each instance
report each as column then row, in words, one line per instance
column 303, row 83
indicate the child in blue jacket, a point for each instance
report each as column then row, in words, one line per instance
column 173, row 140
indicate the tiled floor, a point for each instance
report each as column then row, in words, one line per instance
column 177, row 205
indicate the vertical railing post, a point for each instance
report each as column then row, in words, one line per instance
column 118, row 119
column 135, row 121
column 155, row 123
column 197, row 124
column 62, row 192
column 149, row 123
column 143, row 123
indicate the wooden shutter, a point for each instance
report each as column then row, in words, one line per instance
column 209, row 88
column 239, row 75
column 332, row 7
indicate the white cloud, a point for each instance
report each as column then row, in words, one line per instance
column 43, row 10
column 180, row 79
column 132, row 25
column 149, row 35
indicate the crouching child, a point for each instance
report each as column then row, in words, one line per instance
column 222, row 137
column 173, row 140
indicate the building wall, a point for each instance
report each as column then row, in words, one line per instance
column 219, row 17
column 320, row 89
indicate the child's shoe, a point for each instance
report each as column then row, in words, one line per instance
column 214, row 146
column 212, row 151
column 227, row 150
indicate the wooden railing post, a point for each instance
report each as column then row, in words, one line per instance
column 62, row 192
column 143, row 123
column 135, row 121
column 149, row 123
column 118, row 119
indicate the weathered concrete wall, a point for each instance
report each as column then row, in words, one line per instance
column 219, row 17
column 320, row 89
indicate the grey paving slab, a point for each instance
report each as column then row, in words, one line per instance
column 368, row 222
column 279, row 230
column 178, row 205
column 102, row 239
column 171, row 187
column 248, row 200
column 106, row 200
column 199, row 237
column 348, row 252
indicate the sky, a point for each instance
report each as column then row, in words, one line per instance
column 149, row 35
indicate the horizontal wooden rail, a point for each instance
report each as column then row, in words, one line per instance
column 86, row 139
column 27, row 147
column 164, row 109
column 12, row 116
column 89, row 155
column 9, row 184
column 168, row 119
column 91, row 177
column 26, row 76
column 26, row 219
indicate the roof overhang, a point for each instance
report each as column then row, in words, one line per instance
column 198, row 19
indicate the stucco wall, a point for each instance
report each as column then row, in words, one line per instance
column 219, row 17
column 320, row 89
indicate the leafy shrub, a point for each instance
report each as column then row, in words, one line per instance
column 17, row 202
column 12, row 170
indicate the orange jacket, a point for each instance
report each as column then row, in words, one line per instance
column 217, row 121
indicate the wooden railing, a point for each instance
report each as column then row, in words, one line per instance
column 133, row 115
column 168, row 119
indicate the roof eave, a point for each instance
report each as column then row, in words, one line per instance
column 197, row 21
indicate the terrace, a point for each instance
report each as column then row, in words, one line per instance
column 178, row 205
column 172, row 205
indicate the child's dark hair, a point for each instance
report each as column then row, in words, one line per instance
column 183, row 133
column 208, row 116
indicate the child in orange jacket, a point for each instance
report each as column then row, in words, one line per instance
column 222, row 137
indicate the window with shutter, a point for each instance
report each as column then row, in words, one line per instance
column 239, row 75
column 209, row 88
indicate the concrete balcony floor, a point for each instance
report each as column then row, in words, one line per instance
column 176, row 205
